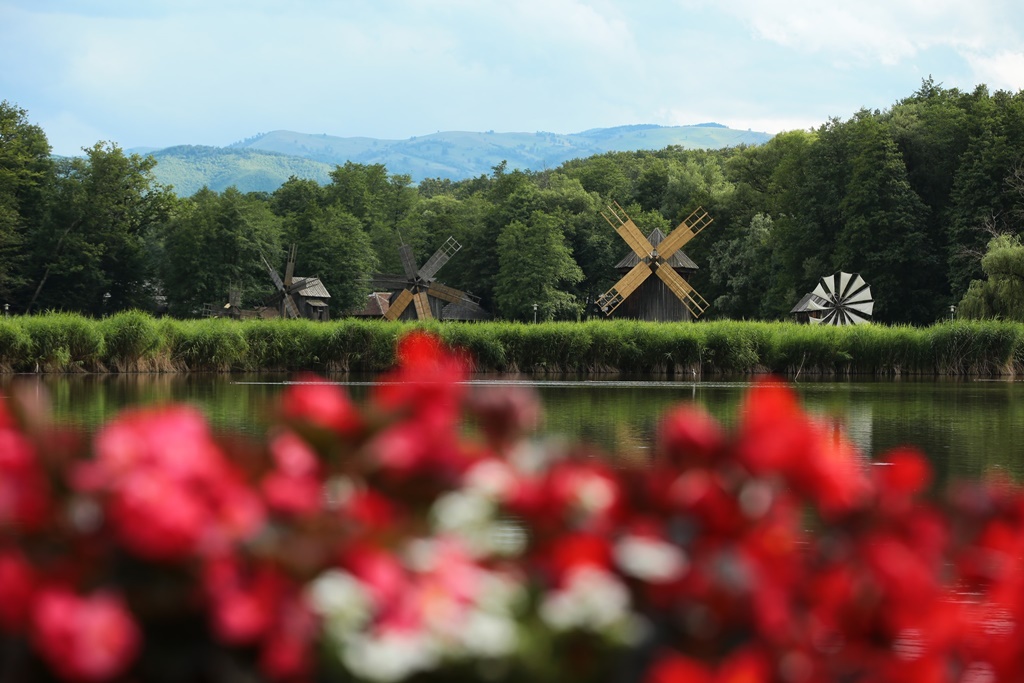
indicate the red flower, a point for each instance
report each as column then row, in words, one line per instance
column 24, row 492
column 677, row 668
column 17, row 585
column 324, row 405
column 294, row 485
column 689, row 433
column 84, row 638
column 777, row 438
column 573, row 551
column 426, row 383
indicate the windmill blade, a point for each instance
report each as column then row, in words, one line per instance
column 693, row 301
column 627, row 229
column 440, row 257
column 273, row 274
column 399, row 305
column 290, row 309
column 408, row 261
column 626, row 285
column 422, row 306
column 684, row 232
column 289, row 269
column 447, row 293
column 389, row 281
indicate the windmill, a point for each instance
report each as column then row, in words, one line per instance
column 297, row 297
column 417, row 286
column 839, row 299
column 655, row 255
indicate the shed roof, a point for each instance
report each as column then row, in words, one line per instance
column 678, row 260
column 377, row 304
column 311, row 287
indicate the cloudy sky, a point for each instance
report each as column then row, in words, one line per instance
column 155, row 73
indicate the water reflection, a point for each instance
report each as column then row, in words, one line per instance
column 967, row 428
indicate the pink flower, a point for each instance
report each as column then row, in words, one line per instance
column 86, row 639
column 171, row 491
column 324, row 405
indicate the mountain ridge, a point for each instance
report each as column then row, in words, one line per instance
column 266, row 160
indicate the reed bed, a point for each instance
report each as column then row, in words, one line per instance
column 132, row 342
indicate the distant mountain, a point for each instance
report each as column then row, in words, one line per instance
column 189, row 168
column 263, row 162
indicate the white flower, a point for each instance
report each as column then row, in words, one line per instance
column 391, row 656
column 341, row 601
column 650, row 559
column 488, row 635
column 592, row 599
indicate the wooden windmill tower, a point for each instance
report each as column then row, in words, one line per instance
column 298, row 297
column 430, row 298
column 661, row 256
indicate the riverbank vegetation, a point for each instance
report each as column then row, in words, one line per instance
column 132, row 341
column 909, row 197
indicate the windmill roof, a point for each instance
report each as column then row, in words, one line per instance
column 804, row 305
column 376, row 305
column 464, row 310
column 311, row 287
column 678, row 260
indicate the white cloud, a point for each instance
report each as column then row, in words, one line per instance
column 1002, row 71
column 881, row 31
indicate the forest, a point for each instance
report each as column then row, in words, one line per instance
column 923, row 199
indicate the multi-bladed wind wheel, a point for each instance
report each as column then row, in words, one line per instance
column 842, row 299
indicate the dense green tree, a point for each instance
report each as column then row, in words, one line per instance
column 339, row 252
column 744, row 270
column 26, row 171
column 1001, row 293
column 217, row 244
column 91, row 253
column 535, row 266
column 884, row 236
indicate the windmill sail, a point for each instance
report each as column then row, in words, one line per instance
column 841, row 299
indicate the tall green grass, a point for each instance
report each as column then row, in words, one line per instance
column 135, row 342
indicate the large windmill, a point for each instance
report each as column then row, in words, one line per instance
column 418, row 286
column 661, row 257
column 297, row 297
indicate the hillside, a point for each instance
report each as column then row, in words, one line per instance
column 265, row 161
column 189, row 168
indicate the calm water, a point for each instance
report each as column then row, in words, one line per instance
column 966, row 427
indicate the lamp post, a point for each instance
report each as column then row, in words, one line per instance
column 7, row 310
column 535, row 314
column 952, row 312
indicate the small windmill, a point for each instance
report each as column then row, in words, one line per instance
column 297, row 297
column 654, row 258
column 839, row 299
column 417, row 286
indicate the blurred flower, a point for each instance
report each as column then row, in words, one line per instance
column 84, row 638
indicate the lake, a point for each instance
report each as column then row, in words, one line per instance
column 967, row 428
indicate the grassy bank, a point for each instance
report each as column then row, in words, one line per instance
column 135, row 342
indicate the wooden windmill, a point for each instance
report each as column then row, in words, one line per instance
column 658, row 256
column 418, row 286
column 297, row 297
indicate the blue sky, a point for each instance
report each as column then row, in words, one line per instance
column 155, row 73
